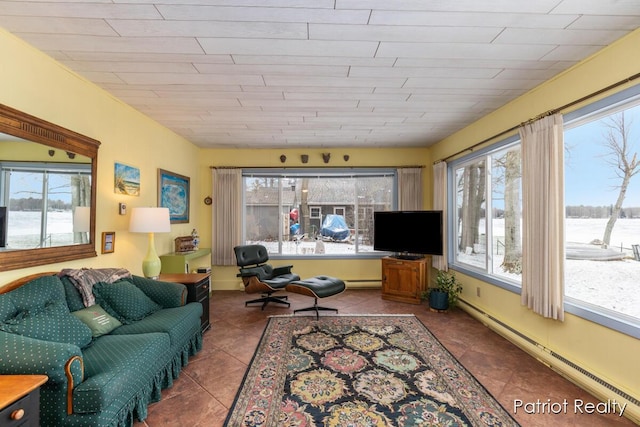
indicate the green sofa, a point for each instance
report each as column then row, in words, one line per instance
column 106, row 362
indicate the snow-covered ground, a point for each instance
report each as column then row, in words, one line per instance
column 613, row 285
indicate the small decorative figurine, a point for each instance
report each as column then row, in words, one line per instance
column 196, row 239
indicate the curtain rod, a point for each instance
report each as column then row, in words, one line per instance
column 318, row 167
column 539, row 116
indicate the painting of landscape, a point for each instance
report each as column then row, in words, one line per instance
column 126, row 180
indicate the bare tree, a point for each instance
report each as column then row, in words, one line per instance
column 472, row 198
column 512, row 261
column 623, row 161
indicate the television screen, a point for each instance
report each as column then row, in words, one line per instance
column 408, row 232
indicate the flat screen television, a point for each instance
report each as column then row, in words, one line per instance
column 408, row 234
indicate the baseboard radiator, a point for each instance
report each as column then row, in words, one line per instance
column 633, row 408
column 363, row 283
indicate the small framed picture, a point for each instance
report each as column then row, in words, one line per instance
column 108, row 241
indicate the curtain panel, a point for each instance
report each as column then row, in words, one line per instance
column 226, row 218
column 409, row 189
column 543, row 250
column 440, row 204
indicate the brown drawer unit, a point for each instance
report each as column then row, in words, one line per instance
column 198, row 287
column 20, row 400
column 404, row 280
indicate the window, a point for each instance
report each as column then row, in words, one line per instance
column 488, row 241
column 602, row 207
column 602, row 198
column 43, row 194
column 315, row 212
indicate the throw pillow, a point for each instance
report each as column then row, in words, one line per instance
column 98, row 320
column 55, row 323
column 124, row 300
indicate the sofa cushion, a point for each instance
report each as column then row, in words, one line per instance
column 41, row 312
column 74, row 299
column 98, row 320
column 7, row 308
column 124, row 301
column 117, row 367
column 54, row 323
column 179, row 322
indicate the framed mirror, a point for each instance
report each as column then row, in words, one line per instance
column 47, row 192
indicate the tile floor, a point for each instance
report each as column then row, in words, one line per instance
column 207, row 386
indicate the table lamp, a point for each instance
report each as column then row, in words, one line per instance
column 150, row 220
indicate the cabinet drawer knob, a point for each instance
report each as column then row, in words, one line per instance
column 17, row 414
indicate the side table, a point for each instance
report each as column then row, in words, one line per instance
column 198, row 286
column 20, row 399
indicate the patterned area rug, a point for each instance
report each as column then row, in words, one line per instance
column 359, row 371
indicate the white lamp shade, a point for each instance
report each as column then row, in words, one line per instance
column 150, row 220
column 81, row 219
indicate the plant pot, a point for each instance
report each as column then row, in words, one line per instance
column 438, row 300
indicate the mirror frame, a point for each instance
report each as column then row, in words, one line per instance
column 23, row 125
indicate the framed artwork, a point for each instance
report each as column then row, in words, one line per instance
column 173, row 193
column 126, row 179
column 108, row 241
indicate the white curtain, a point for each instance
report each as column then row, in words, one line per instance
column 440, row 204
column 410, row 189
column 226, row 221
column 543, row 216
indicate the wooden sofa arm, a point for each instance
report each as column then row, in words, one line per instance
column 75, row 361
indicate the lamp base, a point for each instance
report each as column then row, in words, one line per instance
column 151, row 265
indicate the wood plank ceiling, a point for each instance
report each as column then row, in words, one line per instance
column 318, row 73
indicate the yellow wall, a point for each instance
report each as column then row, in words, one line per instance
column 355, row 272
column 36, row 84
column 610, row 355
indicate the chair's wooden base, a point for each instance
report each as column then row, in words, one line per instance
column 267, row 298
column 315, row 307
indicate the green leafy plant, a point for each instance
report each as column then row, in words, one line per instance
column 447, row 282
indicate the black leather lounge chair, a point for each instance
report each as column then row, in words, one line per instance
column 260, row 277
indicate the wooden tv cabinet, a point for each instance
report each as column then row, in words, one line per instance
column 404, row 280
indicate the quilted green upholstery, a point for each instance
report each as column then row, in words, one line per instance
column 123, row 372
column 178, row 323
column 24, row 355
column 166, row 294
column 40, row 313
column 109, row 365
column 124, row 301
column 74, row 299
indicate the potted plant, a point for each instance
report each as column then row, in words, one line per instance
column 445, row 293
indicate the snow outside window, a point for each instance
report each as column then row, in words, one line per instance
column 489, row 241
column 602, row 198
column 315, row 213
column 602, row 212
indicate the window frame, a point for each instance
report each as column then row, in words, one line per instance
column 282, row 173
column 45, row 169
column 608, row 318
column 452, row 245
